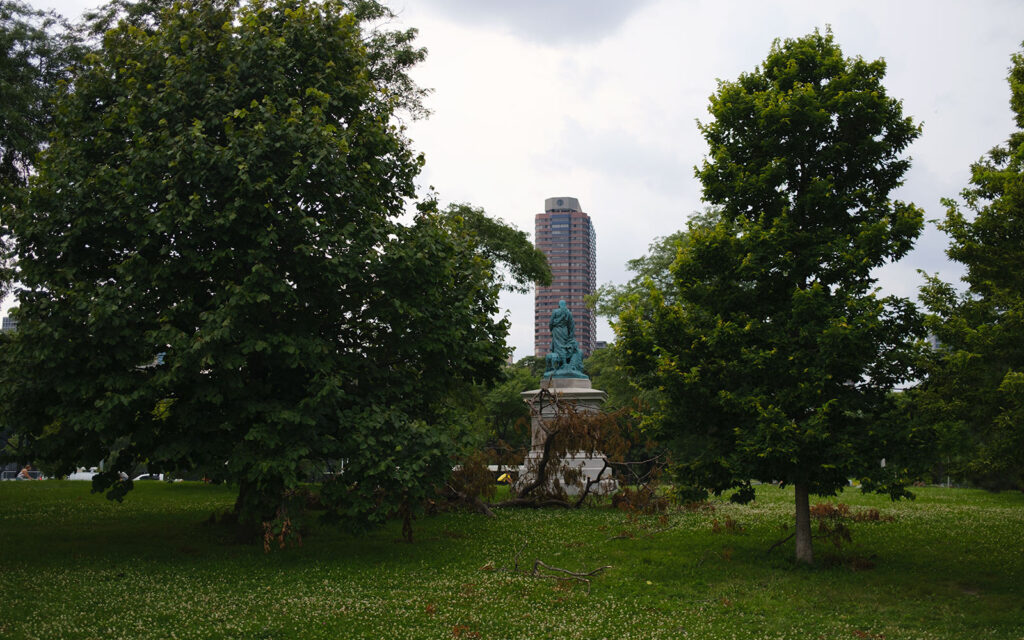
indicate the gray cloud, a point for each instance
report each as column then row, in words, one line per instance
column 550, row 22
column 617, row 153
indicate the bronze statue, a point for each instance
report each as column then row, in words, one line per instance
column 565, row 359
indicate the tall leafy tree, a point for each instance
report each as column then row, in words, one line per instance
column 653, row 269
column 775, row 359
column 975, row 375
column 214, row 273
column 493, row 409
column 37, row 51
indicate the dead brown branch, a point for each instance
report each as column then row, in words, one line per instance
column 515, row 558
column 590, row 483
column 566, row 432
column 542, row 467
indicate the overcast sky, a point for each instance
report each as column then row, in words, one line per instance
column 599, row 100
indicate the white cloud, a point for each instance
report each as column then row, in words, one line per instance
column 564, row 23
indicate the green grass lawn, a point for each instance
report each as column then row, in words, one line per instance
column 73, row 565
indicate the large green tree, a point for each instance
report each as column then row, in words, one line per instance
column 214, row 273
column 775, row 360
column 974, row 387
column 37, row 50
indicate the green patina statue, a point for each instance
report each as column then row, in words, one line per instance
column 565, row 359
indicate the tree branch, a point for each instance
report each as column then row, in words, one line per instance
column 778, row 542
column 586, row 489
column 475, row 502
column 579, row 576
column 534, row 503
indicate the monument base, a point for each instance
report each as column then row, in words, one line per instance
column 578, row 393
column 588, row 466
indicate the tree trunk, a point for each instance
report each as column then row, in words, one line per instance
column 804, row 550
column 244, row 489
column 255, row 507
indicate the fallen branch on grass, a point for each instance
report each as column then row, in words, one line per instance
column 475, row 501
column 579, row 576
column 790, row 537
column 534, row 503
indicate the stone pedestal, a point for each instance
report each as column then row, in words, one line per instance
column 578, row 393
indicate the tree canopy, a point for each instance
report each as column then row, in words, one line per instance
column 504, row 245
column 214, row 273
column 37, row 50
column 775, row 356
column 974, row 386
column 653, row 269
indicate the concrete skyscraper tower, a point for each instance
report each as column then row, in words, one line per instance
column 566, row 236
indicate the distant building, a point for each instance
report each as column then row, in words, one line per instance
column 566, row 236
column 8, row 324
column 601, row 344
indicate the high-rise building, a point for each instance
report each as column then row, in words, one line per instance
column 8, row 324
column 566, row 236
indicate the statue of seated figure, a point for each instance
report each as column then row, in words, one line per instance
column 565, row 360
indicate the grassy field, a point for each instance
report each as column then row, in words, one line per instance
column 73, row 565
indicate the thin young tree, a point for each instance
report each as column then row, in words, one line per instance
column 775, row 356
